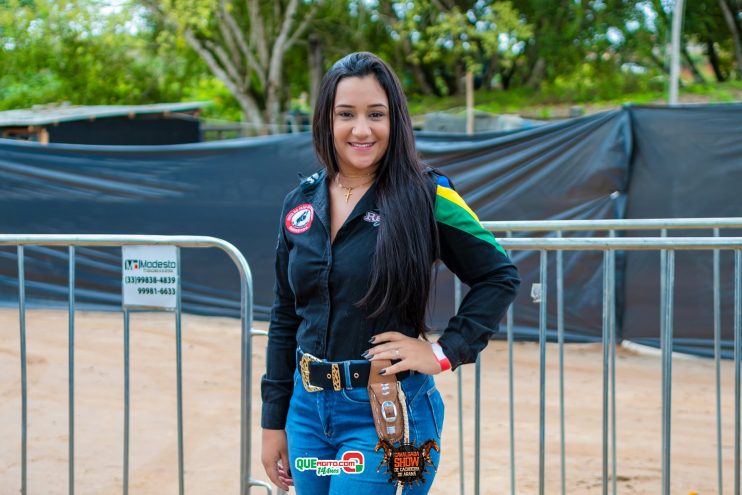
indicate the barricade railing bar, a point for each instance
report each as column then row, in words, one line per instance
column 609, row 245
column 246, row 316
column 619, row 224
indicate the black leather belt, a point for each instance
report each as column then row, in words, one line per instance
column 317, row 374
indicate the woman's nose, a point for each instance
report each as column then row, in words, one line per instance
column 361, row 128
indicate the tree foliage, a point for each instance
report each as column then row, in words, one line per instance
column 444, row 41
column 71, row 51
column 252, row 57
column 245, row 44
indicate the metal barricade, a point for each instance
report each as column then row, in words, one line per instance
column 608, row 245
column 246, row 309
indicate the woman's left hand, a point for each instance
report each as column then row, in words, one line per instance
column 412, row 354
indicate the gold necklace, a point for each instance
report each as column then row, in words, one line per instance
column 349, row 189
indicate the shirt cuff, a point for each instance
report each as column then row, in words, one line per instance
column 273, row 416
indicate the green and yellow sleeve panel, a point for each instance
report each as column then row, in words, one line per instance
column 472, row 253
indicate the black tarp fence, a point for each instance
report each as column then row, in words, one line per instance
column 634, row 162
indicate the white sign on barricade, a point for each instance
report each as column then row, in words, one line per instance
column 149, row 277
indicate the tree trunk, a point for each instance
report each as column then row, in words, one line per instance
column 714, row 60
column 419, row 76
column 697, row 77
column 736, row 35
column 417, row 71
column 659, row 63
column 248, row 104
column 430, row 79
column 250, row 112
column 316, row 68
column 537, row 74
column 491, row 71
column 457, row 84
column 507, row 77
column 469, row 102
column 272, row 108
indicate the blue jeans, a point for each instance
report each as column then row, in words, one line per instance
column 326, row 424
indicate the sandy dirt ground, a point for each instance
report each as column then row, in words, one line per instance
column 211, row 384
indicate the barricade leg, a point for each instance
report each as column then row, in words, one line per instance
column 24, row 375
column 667, row 345
column 71, row 371
column 542, row 375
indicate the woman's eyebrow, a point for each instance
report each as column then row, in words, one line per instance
column 346, row 105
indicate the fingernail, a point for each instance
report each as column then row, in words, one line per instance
column 365, row 355
column 383, row 372
column 371, row 340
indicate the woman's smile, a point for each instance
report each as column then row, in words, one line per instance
column 362, row 147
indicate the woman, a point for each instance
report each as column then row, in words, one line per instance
column 354, row 261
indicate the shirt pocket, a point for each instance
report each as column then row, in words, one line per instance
column 306, row 271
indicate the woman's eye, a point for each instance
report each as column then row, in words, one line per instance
column 377, row 115
column 345, row 115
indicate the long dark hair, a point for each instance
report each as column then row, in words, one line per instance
column 407, row 243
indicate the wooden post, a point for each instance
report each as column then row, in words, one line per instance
column 469, row 102
column 677, row 23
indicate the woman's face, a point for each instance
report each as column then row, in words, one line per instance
column 360, row 124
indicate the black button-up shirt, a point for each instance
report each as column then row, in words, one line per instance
column 318, row 283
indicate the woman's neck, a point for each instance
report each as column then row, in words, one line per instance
column 355, row 176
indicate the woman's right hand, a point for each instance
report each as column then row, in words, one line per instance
column 275, row 457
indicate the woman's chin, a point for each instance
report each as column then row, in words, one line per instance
column 363, row 166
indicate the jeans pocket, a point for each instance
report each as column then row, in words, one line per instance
column 358, row 395
column 435, row 401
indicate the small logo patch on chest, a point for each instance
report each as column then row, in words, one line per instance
column 300, row 219
column 372, row 217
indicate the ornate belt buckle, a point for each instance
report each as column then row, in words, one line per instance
column 304, row 368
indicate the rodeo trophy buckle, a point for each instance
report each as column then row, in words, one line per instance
column 405, row 463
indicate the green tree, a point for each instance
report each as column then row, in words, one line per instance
column 72, row 51
column 443, row 40
column 713, row 25
column 567, row 34
column 646, row 34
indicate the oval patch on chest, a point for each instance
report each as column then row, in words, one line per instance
column 299, row 219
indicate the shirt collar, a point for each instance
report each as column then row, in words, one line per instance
column 318, row 194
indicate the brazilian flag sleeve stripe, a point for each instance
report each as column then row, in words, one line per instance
column 451, row 210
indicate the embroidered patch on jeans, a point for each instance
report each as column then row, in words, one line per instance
column 351, row 463
column 300, row 219
column 372, row 217
column 406, row 463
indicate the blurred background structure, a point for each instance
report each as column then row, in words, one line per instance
column 158, row 124
column 259, row 62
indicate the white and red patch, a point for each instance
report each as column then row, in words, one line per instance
column 300, row 219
